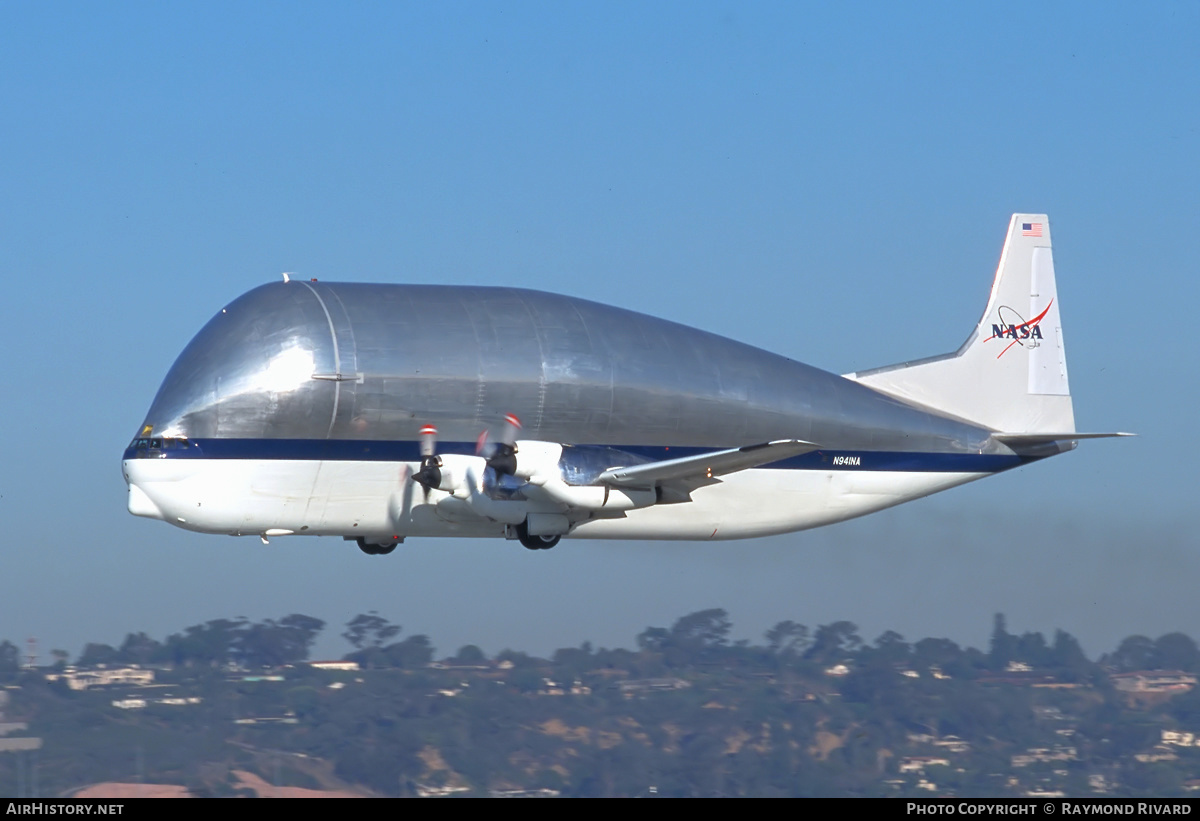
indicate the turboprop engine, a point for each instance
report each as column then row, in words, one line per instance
column 538, row 490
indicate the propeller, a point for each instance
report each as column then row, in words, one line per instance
column 502, row 455
column 430, row 474
column 406, row 494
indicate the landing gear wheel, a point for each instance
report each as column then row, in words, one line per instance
column 535, row 542
column 375, row 549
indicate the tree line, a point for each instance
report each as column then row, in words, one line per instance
column 702, row 637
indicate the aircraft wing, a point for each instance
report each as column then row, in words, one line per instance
column 704, row 465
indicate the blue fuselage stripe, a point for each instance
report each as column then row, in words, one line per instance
column 351, row 450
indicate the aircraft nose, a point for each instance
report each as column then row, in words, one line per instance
column 142, row 505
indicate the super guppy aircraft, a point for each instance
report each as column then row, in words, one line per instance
column 380, row 412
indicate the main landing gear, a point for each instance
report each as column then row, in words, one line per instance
column 535, row 542
column 376, row 549
column 529, row 540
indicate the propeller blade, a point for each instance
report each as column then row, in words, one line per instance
column 512, row 426
column 428, row 441
column 503, row 459
column 406, row 493
column 430, row 474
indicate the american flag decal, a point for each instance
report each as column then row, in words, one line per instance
column 1031, row 229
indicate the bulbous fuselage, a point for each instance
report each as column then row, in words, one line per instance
column 338, row 361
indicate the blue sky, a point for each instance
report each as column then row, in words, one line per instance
column 831, row 182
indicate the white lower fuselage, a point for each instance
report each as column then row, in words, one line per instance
column 373, row 500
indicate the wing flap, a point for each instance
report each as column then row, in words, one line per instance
column 705, row 465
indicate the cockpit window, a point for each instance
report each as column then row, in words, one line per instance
column 144, row 445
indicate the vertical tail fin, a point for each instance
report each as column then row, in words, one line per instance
column 1011, row 373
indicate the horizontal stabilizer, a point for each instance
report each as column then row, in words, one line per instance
column 1015, row 440
column 705, row 465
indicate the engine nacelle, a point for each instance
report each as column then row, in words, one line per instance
column 540, row 465
column 536, row 459
column 545, row 465
column 458, row 472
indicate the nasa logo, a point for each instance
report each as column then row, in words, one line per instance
column 1017, row 331
column 1012, row 326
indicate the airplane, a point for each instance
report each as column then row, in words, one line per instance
column 379, row 412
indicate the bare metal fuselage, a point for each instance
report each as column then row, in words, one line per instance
column 321, row 361
column 296, row 410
